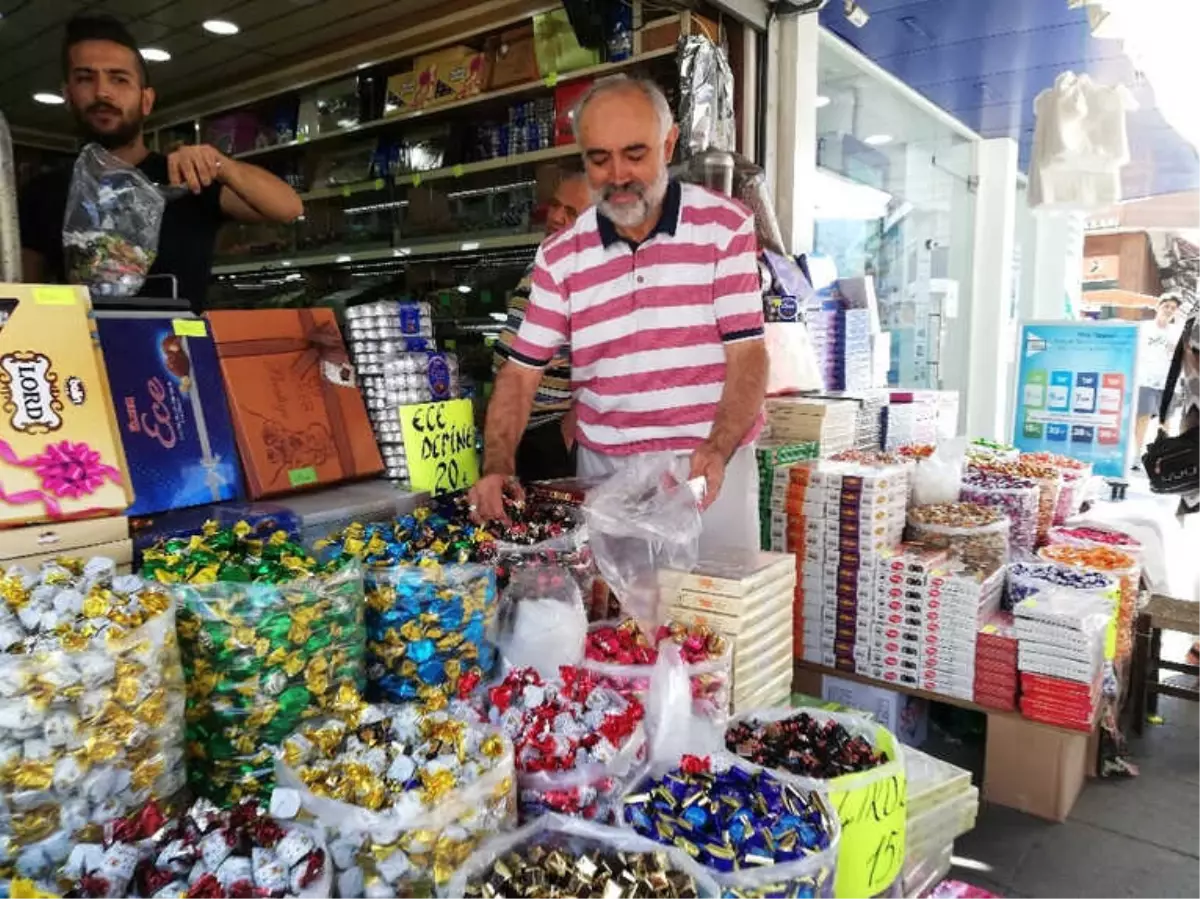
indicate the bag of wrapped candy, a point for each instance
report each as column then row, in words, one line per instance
column 576, row 742
column 853, row 761
column 91, row 705
column 270, row 638
column 1016, row 497
column 110, row 230
column 644, row 522
column 543, row 534
column 557, row 855
column 405, row 796
column 976, row 535
column 623, row 657
column 1117, row 563
column 756, row 832
column 542, row 621
column 204, row 852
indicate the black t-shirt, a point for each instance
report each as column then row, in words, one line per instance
column 185, row 240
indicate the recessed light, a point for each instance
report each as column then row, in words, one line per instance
column 220, row 26
column 822, row 101
column 155, row 54
column 877, row 140
column 48, row 98
column 464, row 288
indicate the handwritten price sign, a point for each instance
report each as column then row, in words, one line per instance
column 439, row 442
column 873, row 819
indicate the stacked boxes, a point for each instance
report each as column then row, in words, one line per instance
column 852, row 514
column 996, row 663
column 842, row 343
column 774, row 462
column 747, row 597
column 910, row 417
column 1060, row 654
column 794, row 419
column 941, row 806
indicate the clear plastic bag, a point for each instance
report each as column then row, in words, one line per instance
column 259, row 660
column 91, row 712
column 642, row 521
column 571, row 551
column 1018, row 498
column 415, row 617
column 110, row 230
column 938, row 478
column 571, row 834
column 542, row 622
column 982, row 547
column 1117, row 563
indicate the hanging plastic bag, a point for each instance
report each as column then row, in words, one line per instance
column 643, row 522
column 542, row 621
column 110, row 230
column 938, row 478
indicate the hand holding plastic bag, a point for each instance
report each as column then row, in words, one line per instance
column 110, row 230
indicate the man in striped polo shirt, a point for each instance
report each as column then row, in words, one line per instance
column 656, row 289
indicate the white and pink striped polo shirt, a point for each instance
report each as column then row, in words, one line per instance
column 647, row 324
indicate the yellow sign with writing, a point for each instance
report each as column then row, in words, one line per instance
column 189, row 327
column 439, row 443
column 872, row 807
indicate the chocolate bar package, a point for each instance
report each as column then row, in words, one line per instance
column 171, row 411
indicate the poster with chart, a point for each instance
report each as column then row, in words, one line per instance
column 1075, row 391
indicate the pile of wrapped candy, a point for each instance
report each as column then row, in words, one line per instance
column 108, row 263
column 91, row 705
column 404, row 795
column 1016, row 497
column 269, row 638
column 1075, row 476
column 206, row 852
column 624, row 657
column 801, row 744
column 575, row 740
column 1107, row 561
column 976, row 535
column 1044, row 475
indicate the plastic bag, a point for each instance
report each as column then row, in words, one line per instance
column 1124, row 567
column 938, row 478
column 259, row 660
column 412, row 845
column 1016, row 497
column 412, row 610
column 111, row 226
column 571, row 834
column 643, row 521
column 981, row 547
column 571, row 551
column 542, row 622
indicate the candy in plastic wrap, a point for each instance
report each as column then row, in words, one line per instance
column 706, row 116
column 269, row 638
column 91, row 705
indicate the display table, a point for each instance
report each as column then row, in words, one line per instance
column 1029, row 766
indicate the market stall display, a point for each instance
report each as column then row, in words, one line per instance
column 91, row 694
column 1115, row 563
column 1075, row 478
column 996, row 680
column 977, row 536
column 1047, row 478
column 942, row 805
column 269, row 638
column 1016, row 497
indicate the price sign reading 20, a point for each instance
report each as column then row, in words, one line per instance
column 872, row 850
column 439, row 443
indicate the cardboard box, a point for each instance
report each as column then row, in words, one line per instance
column 171, row 410
column 63, row 456
column 402, row 93
column 511, row 57
column 454, row 73
column 298, row 416
column 1047, row 789
column 663, row 33
column 905, row 716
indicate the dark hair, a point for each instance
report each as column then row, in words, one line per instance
column 1170, row 298
column 100, row 28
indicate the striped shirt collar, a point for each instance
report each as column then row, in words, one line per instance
column 668, row 219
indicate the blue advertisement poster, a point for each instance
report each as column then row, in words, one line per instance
column 1075, row 391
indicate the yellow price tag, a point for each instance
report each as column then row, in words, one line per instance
column 439, row 443
column 458, row 171
column 346, row 191
column 873, row 829
column 989, row 629
column 416, row 179
column 379, row 184
column 189, row 327
column 55, row 296
column 301, row 138
column 551, row 79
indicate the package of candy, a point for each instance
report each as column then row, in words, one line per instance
column 1108, row 560
column 976, row 535
column 757, row 834
column 91, row 705
column 269, row 638
column 404, row 795
column 557, row 855
column 1016, row 497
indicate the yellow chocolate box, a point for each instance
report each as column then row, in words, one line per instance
column 60, row 450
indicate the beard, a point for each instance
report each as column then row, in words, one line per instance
column 120, row 135
column 631, row 215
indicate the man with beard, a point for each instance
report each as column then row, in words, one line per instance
column 106, row 86
column 656, row 289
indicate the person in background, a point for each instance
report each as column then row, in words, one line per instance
column 1157, row 340
column 546, row 447
column 107, row 87
column 657, row 290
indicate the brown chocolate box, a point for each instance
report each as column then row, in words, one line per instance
column 298, row 415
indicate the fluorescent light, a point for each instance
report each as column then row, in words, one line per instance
column 48, row 98
column 877, row 140
column 155, row 54
column 220, row 26
column 822, row 101
column 286, row 262
column 464, row 288
column 345, row 257
column 470, row 245
column 402, row 251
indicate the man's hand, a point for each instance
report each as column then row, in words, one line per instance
column 197, row 166
column 487, row 497
column 708, row 463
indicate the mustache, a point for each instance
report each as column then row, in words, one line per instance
column 629, row 187
column 103, row 107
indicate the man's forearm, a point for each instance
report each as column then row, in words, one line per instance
column 507, row 415
column 742, row 397
column 264, row 193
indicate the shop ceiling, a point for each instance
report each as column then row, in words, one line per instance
column 271, row 33
column 985, row 61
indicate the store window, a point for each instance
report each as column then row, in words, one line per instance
column 895, row 200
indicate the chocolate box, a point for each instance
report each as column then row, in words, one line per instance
column 60, row 451
column 299, row 418
column 171, row 410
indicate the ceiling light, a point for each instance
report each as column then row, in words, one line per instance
column 48, row 98
column 220, row 26
column 877, row 140
column 822, row 101
column 155, row 54
column 345, row 257
column 464, row 288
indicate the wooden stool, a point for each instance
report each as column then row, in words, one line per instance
column 1160, row 614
